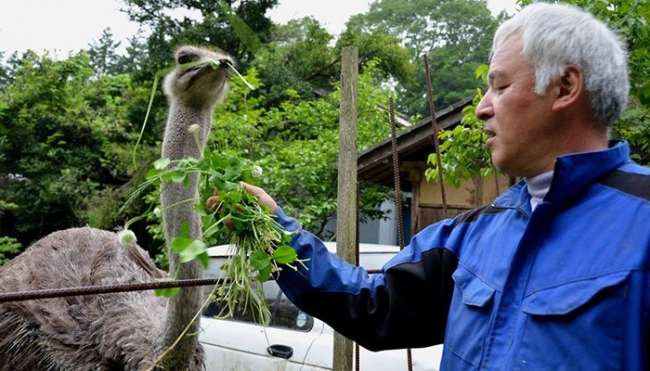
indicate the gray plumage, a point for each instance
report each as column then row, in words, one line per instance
column 124, row 331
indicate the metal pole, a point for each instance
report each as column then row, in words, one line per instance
column 399, row 219
column 6, row 297
column 434, row 125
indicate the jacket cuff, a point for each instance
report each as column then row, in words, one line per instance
column 288, row 223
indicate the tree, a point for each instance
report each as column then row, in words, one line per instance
column 65, row 135
column 103, row 57
column 4, row 72
column 9, row 66
column 393, row 60
column 299, row 58
column 456, row 35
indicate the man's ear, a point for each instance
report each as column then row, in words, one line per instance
column 569, row 87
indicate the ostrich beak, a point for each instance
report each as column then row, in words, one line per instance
column 228, row 66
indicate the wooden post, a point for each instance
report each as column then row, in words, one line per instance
column 346, row 215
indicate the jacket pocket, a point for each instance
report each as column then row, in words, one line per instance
column 575, row 326
column 469, row 316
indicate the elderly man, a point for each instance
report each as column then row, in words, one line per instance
column 553, row 275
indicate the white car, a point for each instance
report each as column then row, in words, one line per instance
column 294, row 341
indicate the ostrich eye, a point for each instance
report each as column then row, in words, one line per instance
column 185, row 58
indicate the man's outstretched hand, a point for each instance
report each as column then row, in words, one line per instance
column 262, row 197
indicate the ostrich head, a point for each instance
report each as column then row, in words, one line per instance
column 195, row 81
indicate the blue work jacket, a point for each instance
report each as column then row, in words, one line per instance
column 565, row 287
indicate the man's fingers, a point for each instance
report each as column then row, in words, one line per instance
column 255, row 191
column 261, row 196
column 212, row 202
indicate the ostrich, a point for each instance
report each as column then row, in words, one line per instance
column 124, row 331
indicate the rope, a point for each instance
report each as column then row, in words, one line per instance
column 6, row 297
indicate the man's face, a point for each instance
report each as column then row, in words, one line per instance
column 519, row 123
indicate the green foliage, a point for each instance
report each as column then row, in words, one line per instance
column 69, row 126
column 4, row 205
column 462, row 148
column 67, row 135
column 393, row 60
column 103, row 57
column 9, row 247
column 634, row 126
column 298, row 58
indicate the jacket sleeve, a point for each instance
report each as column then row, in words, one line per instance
column 404, row 306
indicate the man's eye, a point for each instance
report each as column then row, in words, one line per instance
column 501, row 88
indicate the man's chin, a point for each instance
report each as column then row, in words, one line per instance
column 499, row 162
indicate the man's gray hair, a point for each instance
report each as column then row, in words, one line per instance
column 555, row 36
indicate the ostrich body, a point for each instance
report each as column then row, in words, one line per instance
column 123, row 331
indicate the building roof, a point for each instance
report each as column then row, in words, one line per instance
column 375, row 164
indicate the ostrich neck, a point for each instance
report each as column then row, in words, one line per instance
column 177, row 202
column 177, row 199
column 178, row 142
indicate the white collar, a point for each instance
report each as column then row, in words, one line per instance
column 538, row 187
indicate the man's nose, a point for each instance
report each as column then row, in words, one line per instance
column 484, row 110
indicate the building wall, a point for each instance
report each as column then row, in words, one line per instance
column 468, row 195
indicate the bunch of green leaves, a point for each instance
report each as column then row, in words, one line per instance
column 259, row 246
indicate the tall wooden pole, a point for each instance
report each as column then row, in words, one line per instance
column 346, row 215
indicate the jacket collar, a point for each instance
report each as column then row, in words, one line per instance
column 573, row 173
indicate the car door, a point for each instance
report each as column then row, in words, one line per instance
column 239, row 344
